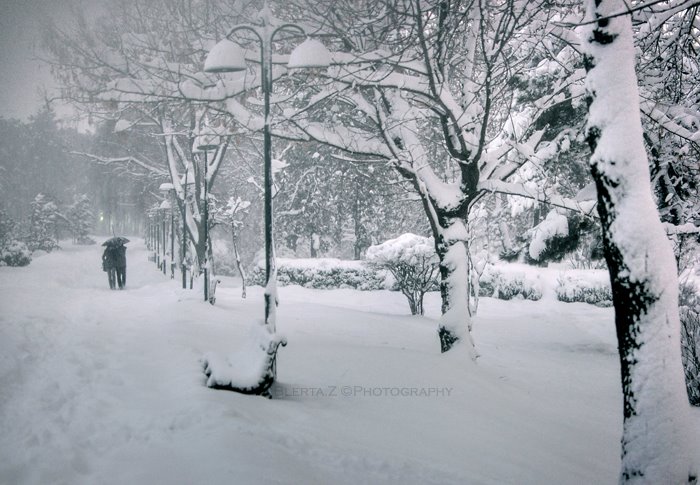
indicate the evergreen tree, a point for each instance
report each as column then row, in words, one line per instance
column 43, row 225
column 81, row 219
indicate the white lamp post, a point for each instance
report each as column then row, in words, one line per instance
column 227, row 56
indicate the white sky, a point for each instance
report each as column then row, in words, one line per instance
column 22, row 75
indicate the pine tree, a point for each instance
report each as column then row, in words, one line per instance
column 43, row 228
column 81, row 219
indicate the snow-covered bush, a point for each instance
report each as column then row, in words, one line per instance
column 506, row 282
column 587, row 286
column 15, row 253
column 689, row 306
column 412, row 261
column 321, row 273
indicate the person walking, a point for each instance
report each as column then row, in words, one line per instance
column 121, row 266
column 109, row 264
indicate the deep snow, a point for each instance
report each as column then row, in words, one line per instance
column 100, row 386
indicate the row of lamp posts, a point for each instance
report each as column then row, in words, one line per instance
column 161, row 235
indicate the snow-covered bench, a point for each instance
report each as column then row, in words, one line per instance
column 251, row 370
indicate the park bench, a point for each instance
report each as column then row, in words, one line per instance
column 251, row 370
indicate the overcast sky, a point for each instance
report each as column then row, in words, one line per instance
column 21, row 73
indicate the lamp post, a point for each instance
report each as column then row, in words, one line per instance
column 186, row 181
column 157, row 231
column 226, row 56
column 206, row 142
column 168, row 190
column 163, row 210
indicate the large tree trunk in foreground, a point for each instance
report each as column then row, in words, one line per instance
column 455, row 322
column 657, row 444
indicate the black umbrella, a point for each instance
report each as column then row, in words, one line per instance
column 115, row 241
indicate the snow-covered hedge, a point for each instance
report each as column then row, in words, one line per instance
column 322, row 273
column 506, row 282
column 587, row 286
column 503, row 281
column 16, row 253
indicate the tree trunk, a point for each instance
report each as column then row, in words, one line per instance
column 455, row 322
column 237, row 255
column 657, row 446
column 314, row 245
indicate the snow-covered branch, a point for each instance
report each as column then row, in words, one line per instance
column 123, row 160
column 585, row 207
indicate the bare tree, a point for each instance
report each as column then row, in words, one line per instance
column 431, row 87
column 125, row 71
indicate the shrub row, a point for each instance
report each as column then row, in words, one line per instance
column 585, row 286
column 504, row 282
column 322, row 273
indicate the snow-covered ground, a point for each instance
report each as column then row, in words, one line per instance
column 100, row 386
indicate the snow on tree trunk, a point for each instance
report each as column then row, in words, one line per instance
column 657, row 445
column 237, row 255
column 455, row 322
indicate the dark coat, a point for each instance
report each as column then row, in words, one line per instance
column 120, row 256
column 109, row 258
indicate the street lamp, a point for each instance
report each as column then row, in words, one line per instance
column 186, row 181
column 169, row 189
column 227, row 56
column 206, row 142
column 164, row 209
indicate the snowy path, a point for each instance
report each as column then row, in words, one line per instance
column 100, row 386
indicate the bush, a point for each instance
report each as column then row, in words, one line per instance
column 586, row 286
column 412, row 261
column 689, row 305
column 321, row 273
column 507, row 282
column 16, row 253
